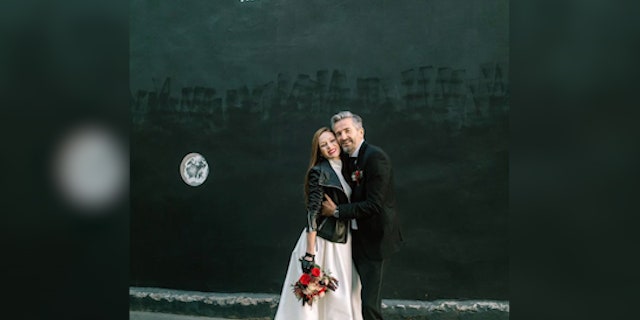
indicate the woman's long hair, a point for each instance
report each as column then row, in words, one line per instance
column 315, row 158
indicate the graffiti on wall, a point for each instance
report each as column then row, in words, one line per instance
column 439, row 94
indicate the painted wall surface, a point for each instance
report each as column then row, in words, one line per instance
column 246, row 83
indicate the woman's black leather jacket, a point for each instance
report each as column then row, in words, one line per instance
column 324, row 180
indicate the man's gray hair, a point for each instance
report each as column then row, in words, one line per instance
column 357, row 121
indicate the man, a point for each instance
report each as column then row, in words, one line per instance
column 376, row 233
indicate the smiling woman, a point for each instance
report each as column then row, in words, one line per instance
column 325, row 245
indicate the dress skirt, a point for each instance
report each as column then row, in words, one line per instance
column 342, row 304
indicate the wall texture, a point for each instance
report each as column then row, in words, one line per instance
column 246, row 84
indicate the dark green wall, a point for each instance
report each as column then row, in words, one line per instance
column 247, row 83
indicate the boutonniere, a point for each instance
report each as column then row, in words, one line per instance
column 356, row 176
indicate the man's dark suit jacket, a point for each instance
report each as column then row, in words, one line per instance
column 372, row 204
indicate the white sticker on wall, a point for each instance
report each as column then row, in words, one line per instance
column 194, row 169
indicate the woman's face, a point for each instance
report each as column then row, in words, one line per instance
column 328, row 144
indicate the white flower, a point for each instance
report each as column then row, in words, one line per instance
column 312, row 287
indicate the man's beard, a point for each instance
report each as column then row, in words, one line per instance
column 345, row 149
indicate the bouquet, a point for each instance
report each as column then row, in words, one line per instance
column 313, row 285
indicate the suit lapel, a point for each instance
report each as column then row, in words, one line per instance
column 346, row 174
column 358, row 166
column 361, row 152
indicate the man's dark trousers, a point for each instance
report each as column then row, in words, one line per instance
column 370, row 272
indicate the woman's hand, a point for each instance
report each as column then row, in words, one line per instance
column 307, row 262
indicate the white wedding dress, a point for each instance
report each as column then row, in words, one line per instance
column 344, row 303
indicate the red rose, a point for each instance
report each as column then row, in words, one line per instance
column 315, row 272
column 357, row 176
column 305, row 278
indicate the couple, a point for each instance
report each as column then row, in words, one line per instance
column 351, row 224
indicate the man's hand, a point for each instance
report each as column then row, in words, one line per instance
column 328, row 206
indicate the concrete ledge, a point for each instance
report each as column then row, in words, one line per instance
column 263, row 306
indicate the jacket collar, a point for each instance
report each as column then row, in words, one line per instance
column 363, row 147
column 328, row 176
column 361, row 151
column 357, row 151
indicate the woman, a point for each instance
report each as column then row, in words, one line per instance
column 325, row 241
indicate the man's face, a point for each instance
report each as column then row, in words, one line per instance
column 349, row 137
